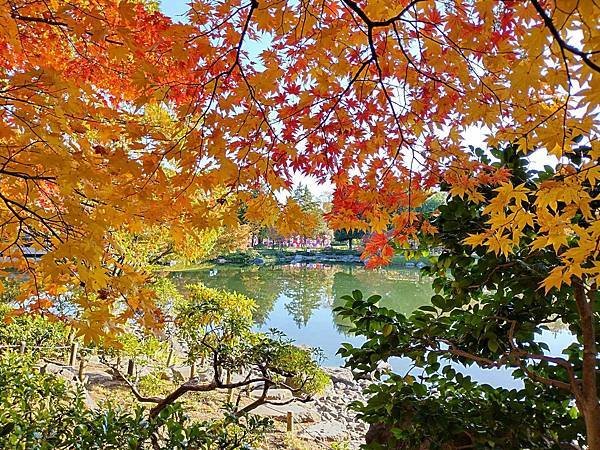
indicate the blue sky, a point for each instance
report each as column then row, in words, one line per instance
column 174, row 8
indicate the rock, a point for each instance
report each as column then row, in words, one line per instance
column 166, row 375
column 258, row 261
column 65, row 372
column 144, row 371
column 274, row 394
column 309, row 416
column 342, row 385
column 49, row 367
column 94, row 359
column 221, row 261
column 329, row 431
column 98, row 377
column 279, row 412
column 180, row 374
column 340, row 375
column 204, row 377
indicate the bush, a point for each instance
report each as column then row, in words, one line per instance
column 41, row 411
column 219, row 323
column 34, row 330
column 442, row 408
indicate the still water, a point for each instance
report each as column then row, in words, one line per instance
column 299, row 299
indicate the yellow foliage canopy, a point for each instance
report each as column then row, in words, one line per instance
column 115, row 118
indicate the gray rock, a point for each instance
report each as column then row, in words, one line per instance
column 328, row 431
column 166, row 375
column 300, row 412
column 273, row 394
column 310, row 416
column 98, row 377
column 180, row 373
column 94, row 359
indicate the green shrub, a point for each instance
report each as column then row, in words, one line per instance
column 41, row 411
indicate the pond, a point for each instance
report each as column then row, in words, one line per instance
column 298, row 299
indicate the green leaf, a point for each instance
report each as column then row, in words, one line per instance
column 387, row 329
column 439, row 301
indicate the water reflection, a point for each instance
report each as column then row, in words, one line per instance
column 299, row 299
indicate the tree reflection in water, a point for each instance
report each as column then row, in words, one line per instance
column 304, row 289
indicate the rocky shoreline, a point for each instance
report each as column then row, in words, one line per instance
column 328, row 418
column 308, row 258
column 335, row 411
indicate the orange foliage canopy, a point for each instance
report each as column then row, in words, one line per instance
column 115, row 117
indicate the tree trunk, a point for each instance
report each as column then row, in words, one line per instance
column 588, row 403
column 591, row 416
column 350, row 243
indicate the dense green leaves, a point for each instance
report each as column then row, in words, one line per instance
column 488, row 310
column 218, row 324
column 441, row 406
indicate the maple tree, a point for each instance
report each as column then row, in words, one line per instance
column 115, row 118
column 245, row 93
column 92, row 147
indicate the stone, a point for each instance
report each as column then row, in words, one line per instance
column 50, row 367
column 144, row 371
column 94, row 359
column 98, row 377
column 330, row 430
column 204, row 377
column 180, row 374
column 166, row 375
column 309, row 416
column 274, row 394
column 279, row 412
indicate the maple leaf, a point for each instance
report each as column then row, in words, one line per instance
column 156, row 120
